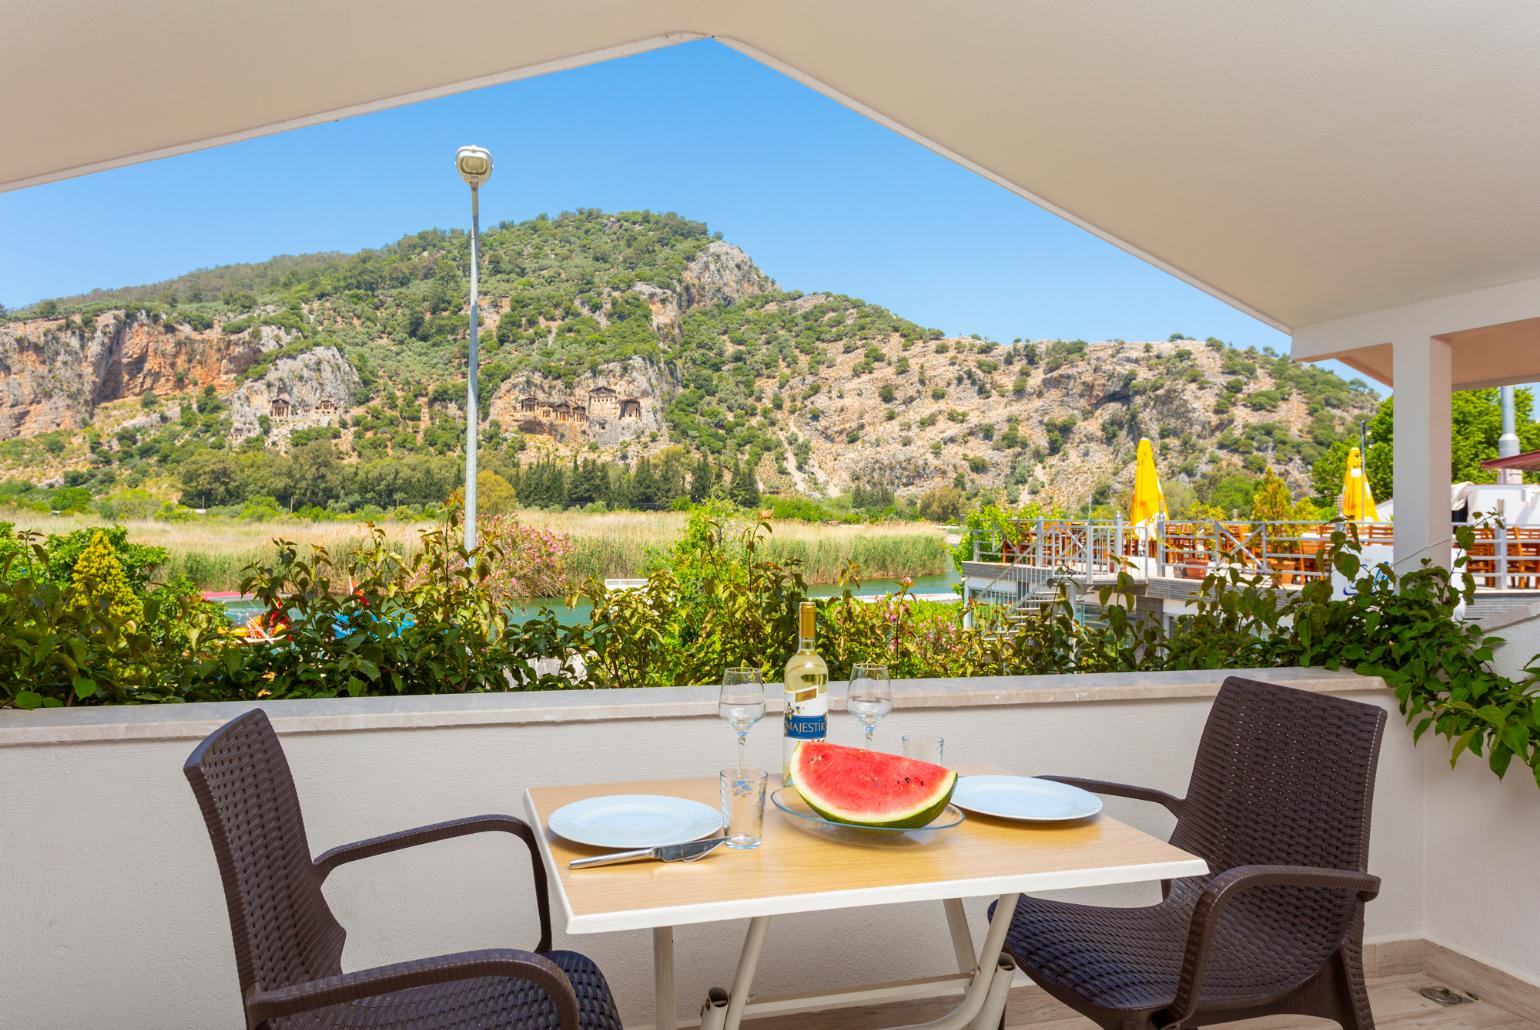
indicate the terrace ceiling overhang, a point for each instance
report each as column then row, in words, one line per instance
column 1307, row 161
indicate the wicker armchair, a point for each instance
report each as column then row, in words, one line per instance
column 1279, row 807
column 288, row 945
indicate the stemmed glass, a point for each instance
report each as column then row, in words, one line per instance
column 871, row 696
column 742, row 703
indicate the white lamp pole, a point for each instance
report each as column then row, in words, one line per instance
column 1508, row 443
column 475, row 167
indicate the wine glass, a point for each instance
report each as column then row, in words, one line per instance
column 871, row 696
column 742, row 702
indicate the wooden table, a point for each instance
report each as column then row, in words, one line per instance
column 793, row 871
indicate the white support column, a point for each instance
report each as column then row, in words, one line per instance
column 1422, row 389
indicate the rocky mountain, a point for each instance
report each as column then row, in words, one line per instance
column 610, row 406
column 620, row 336
column 311, row 390
column 58, row 370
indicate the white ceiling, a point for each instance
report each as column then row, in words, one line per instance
column 1307, row 160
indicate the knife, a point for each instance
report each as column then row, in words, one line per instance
column 688, row 852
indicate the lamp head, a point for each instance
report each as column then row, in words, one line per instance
column 474, row 165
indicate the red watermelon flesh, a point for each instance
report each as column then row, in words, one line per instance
column 867, row 788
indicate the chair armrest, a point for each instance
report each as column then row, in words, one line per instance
column 1170, row 802
column 343, row 853
column 368, row 983
column 1222, row 889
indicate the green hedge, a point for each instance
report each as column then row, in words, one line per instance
column 80, row 623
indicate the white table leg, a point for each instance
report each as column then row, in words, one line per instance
column 988, row 978
column 999, row 988
column 976, row 996
column 962, row 937
column 743, row 979
column 664, row 1017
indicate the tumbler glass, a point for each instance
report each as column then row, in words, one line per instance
column 743, row 806
column 924, row 747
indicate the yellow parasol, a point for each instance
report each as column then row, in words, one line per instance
column 1149, row 500
column 1357, row 498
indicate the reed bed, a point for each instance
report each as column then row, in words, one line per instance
column 213, row 552
column 891, row 555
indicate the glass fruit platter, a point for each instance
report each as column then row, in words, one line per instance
column 791, row 805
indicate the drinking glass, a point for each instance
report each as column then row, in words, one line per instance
column 742, row 702
column 743, row 807
column 871, row 696
column 924, row 747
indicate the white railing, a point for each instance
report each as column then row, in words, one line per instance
column 1290, row 553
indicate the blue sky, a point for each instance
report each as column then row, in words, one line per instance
column 820, row 197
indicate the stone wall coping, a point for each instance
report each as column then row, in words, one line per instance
column 342, row 715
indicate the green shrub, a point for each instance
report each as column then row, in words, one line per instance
column 942, row 504
column 804, row 509
column 81, row 623
column 381, row 624
column 135, row 503
column 78, row 624
column 714, row 602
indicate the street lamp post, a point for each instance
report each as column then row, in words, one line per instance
column 475, row 167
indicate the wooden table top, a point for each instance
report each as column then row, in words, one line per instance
column 794, row 871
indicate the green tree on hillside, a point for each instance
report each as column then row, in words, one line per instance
column 587, row 484
column 494, row 494
column 1271, row 501
column 1231, row 492
column 209, row 478
column 1475, row 424
column 703, row 480
column 743, row 487
column 645, row 491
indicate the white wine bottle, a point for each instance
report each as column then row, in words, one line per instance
column 807, row 691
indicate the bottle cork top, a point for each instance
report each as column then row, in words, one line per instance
column 807, row 619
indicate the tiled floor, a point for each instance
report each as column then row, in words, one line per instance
column 1397, row 1006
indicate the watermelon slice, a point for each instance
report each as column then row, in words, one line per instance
column 867, row 788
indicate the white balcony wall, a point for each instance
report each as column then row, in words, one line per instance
column 114, row 914
column 1482, row 862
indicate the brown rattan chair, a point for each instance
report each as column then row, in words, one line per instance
column 1279, row 806
column 288, row 945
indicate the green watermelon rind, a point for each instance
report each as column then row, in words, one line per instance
column 913, row 820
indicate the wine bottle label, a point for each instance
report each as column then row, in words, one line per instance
column 807, row 714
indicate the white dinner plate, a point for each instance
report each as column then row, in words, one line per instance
column 1025, row 798
column 635, row 821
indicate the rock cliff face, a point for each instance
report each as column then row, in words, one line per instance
column 315, row 388
column 719, row 274
column 1047, row 421
column 54, row 373
column 722, row 274
column 622, row 403
column 612, row 406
